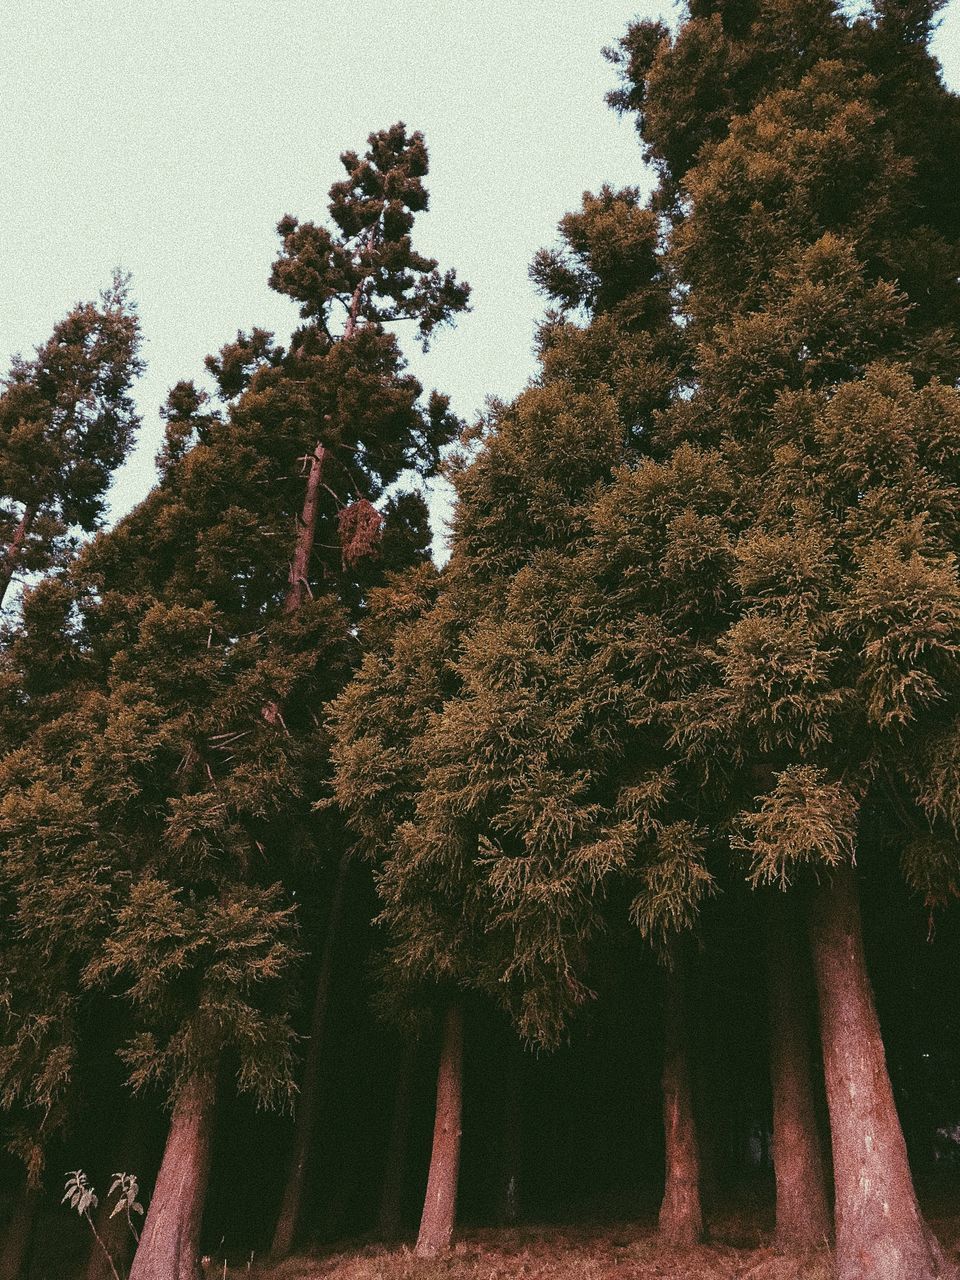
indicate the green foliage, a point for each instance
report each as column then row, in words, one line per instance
column 703, row 587
column 674, row 884
column 161, row 848
column 67, row 421
column 368, row 264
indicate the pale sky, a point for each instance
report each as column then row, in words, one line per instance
column 168, row 137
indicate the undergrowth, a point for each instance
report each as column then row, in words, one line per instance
column 630, row 1253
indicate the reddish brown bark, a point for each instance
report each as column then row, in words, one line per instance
column 389, row 1218
column 440, row 1202
column 18, row 1233
column 681, row 1216
column 881, row 1234
column 11, row 556
column 299, row 580
column 169, row 1247
column 291, row 1204
column 803, row 1215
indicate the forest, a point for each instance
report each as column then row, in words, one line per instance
column 585, row 906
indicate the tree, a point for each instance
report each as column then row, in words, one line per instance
column 804, row 226
column 198, row 752
column 43, row 1016
column 67, row 421
column 458, row 738
column 749, row 625
column 803, row 1214
column 372, row 263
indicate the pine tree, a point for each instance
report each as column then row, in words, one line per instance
column 67, row 421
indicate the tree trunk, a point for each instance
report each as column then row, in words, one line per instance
column 803, row 1215
column 881, row 1234
column 507, row 1206
column 12, row 554
column 440, row 1202
column 299, row 580
column 291, row 1204
column 681, row 1217
column 18, row 1232
column 169, row 1247
column 390, row 1217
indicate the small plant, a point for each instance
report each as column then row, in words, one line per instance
column 82, row 1197
column 79, row 1192
column 128, row 1187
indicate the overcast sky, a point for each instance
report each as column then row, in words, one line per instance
column 168, row 137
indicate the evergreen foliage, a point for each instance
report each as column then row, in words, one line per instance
column 162, row 761
column 67, row 421
column 699, row 632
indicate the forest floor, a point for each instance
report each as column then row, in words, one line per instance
column 738, row 1251
column 554, row 1254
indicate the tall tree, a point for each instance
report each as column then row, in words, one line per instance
column 821, row 274
column 745, row 631
column 371, row 268
column 457, row 741
column 214, row 638
column 67, row 421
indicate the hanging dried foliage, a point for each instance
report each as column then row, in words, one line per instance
column 359, row 527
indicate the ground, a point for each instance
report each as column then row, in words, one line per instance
column 554, row 1255
column 739, row 1250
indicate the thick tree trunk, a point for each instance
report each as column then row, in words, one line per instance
column 681, row 1217
column 18, row 1233
column 291, row 1204
column 440, row 1202
column 881, row 1234
column 803, row 1215
column 11, row 556
column 169, row 1247
column 390, row 1217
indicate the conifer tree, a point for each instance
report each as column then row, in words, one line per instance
column 67, row 421
column 818, row 246
column 44, row 1020
column 217, row 619
column 457, row 740
column 749, row 632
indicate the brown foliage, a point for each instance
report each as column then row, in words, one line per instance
column 359, row 526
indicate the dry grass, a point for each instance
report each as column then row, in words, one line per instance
column 626, row 1253
column 739, row 1250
